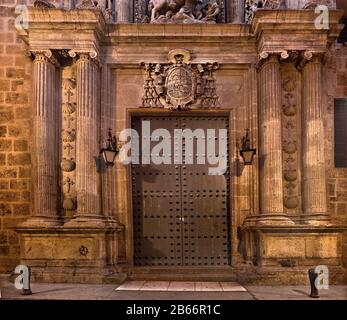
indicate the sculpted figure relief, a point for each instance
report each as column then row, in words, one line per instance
column 183, row 11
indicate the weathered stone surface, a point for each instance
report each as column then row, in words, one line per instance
column 284, row 247
column 5, row 145
column 20, row 145
column 5, row 116
column 3, row 131
column 21, row 209
column 9, row 196
column 8, row 173
column 5, row 209
column 19, row 159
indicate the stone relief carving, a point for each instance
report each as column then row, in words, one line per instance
column 68, row 138
column 311, row 4
column 106, row 6
column 251, row 6
column 68, row 165
column 43, row 4
column 290, row 132
column 180, row 84
column 179, row 11
column 183, row 11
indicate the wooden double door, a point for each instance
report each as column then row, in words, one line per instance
column 180, row 212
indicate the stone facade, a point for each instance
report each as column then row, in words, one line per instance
column 15, row 136
column 70, row 218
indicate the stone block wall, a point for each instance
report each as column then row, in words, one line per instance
column 336, row 77
column 15, row 132
column 337, row 181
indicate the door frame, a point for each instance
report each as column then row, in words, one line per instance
column 129, row 227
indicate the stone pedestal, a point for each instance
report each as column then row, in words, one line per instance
column 271, row 167
column 61, row 254
column 314, row 179
column 284, row 254
column 44, row 147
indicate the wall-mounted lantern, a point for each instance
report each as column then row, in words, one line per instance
column 110, row 152
column 247, row 153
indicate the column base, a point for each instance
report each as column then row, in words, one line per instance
column 273, row 220
column 86, row 222
column 41, row 222
column 315, row 219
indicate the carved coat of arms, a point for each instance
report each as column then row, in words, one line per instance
column 179, row 84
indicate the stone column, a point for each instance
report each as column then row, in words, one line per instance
column 236, row 11
column 124, row 11
column 270, row 127
column 314, row 179
column 45, row 147
column 87, row 140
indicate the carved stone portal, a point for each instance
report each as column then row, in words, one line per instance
column 179, row 84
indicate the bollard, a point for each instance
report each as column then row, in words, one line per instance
column 313, row 276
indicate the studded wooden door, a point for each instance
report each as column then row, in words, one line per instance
column 181, row 213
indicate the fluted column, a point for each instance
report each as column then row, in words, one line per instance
column 124, row 11
column 45, row 178
column 314, row 179
column 87, row 140
column 236, row 11
column 271, row 168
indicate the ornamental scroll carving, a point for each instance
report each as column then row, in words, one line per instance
column 180, row 84
column 68, row 139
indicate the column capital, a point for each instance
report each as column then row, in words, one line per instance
column 44, row 56
column 83, row 55
column 308, row 56
column 271, row 56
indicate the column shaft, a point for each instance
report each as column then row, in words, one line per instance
column 271, row 167
column 44, row 140
column 87, row 146
column 314, row 179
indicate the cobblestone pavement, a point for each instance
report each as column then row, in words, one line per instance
column 108, row 292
